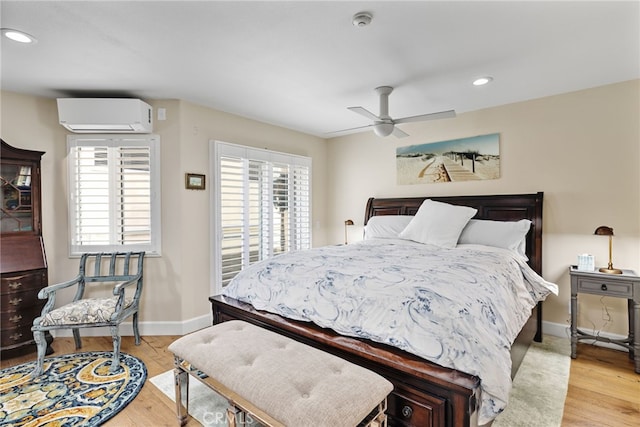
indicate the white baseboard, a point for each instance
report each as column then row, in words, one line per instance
column 556, row 329
column 562, row 330
column 146, row 328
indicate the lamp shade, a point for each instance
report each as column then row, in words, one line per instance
column 603, row 230
column 348, row 222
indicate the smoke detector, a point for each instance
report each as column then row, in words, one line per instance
column 362, row 19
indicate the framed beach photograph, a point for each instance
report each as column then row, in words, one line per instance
column 465, row 159
column 194, row 181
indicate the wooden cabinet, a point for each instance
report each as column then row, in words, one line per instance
column 23, row 263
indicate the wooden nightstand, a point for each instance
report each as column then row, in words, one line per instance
column 626, row 285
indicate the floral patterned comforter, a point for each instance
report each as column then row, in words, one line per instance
column 461, row 308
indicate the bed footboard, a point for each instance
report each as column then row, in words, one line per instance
column 425, row 394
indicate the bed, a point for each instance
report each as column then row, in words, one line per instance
column 425, row 393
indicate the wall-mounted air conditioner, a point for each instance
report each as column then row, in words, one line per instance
column 105, row 115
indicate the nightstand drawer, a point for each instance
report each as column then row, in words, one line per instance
column 605, row 287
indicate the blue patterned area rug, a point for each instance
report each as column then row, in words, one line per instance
column 74, row 390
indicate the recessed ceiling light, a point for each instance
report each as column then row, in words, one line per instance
column 18, row 36
column 482, row 81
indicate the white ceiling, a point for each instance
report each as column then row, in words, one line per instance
column 300, row 64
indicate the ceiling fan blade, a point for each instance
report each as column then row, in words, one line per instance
column 348, row 130
column 423, row 117
column 364, row 112
column 399, row 133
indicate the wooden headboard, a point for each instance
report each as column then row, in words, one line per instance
column 509, row 207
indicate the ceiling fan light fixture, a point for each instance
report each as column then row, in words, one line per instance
column 481, row 81
column 383, row 129
column 18, row 36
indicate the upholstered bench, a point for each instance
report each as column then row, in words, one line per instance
column 277, row 381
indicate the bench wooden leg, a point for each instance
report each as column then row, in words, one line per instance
column 377, row 417
column 232, row 412
column 181, row 382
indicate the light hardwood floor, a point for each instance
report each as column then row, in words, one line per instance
column 603, row 389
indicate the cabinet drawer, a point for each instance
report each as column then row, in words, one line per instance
column 11, row 337
column 20, row 300
column 22, row 282
column 15, row 318
column 605, row 287
column 411, row 408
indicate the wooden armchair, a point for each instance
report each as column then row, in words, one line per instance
column 119, row 272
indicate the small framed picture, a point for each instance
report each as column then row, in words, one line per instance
column 194, row 181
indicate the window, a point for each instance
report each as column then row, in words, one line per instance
column 262, row 207
column 114, row 187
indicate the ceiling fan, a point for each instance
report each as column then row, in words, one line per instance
column 383, row 125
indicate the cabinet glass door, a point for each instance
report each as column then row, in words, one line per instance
column 16, row 210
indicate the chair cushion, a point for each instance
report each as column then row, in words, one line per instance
column 84, row 311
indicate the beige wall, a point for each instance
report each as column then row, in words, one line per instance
column 581, row 149
column 177, row 283
column 190, row 218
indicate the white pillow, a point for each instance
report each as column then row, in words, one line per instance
column 502, row 234
column 438, row 223
column 386, row 226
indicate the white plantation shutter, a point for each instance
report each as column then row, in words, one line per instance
column 114, row 202
column 301, row 217
column 262, row 207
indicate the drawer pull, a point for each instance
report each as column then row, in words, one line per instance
column 603, row 287
column 407, row 411
column 16, row 318
column 16, row 337
column 15, row 301
column 15, row 285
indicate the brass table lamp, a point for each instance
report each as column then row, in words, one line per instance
column 603, row 230
column 346, row 224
